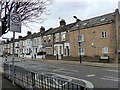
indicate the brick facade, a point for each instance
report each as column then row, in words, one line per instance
column 93, row 42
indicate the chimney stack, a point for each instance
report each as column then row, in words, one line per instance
column 42, row 29
column 28, row 33
column 19, row 37
column 62, row 22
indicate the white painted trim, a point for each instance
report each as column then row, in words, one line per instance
column 48, row 35
column 58, row 45
column 66, row 44
column 48, row 47
column 44, row 36
column 63, row 32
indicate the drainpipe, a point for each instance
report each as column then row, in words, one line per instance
column 117, row 33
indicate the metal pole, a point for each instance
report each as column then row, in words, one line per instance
column 0, row 16
column 79, row 47
column 80, row 58
column 13, row 51
column 13, row 56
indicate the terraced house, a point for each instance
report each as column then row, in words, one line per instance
column 47, row 39
column 56, row 40
column 61, row 40
column 91, row 38
column 98, row 36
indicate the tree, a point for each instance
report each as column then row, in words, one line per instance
column 30, row 10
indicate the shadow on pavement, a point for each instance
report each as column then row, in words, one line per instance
column 7, row 85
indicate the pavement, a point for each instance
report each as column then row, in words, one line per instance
column 94, row 64
column 6, row 84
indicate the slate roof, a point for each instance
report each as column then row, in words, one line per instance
column 64, row 28
column 49, row 31
column 58, row 29
column 99, row 20
column 39, row 34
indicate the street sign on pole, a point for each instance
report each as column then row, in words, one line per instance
column 15, row 22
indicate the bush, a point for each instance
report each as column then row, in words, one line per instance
column 41, row 53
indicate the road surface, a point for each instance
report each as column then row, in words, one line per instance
column 97, row 76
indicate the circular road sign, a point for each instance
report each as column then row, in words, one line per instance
column 15, row 18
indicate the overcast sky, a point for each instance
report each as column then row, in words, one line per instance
column 66, row 9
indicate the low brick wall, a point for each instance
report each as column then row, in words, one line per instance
column 84, row 58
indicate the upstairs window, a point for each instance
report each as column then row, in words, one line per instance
column 38, row 41
column 49, row 38
column 63, row 36
column 57, row 37
column 80, row 38
column 44, row 39
column 81, row 51
column 103, row 34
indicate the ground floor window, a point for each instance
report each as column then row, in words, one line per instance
column 81, row 51
column 104, row 49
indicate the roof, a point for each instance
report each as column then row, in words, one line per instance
column 58, row 29
column 99, row 20
column 64, row 28
column 49, row 31
column 39, row 34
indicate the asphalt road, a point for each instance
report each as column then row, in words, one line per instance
column 99, row 77
column 96, row 77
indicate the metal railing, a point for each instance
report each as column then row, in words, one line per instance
column 31, row 80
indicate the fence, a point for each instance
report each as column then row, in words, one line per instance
column 34, row 81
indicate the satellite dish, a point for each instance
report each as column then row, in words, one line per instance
column 119, row 6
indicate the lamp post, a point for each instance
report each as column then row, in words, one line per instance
column 79, row 49
column 79, row 38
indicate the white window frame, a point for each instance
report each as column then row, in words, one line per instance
column 63, row 36
column 49, row 38
column 103, row 34
column 57, row 38
column 81, row 51
column 104, row 49
column 81, row 38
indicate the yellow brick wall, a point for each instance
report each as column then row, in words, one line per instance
column 93, row 35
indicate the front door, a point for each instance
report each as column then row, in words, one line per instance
column 67, row 51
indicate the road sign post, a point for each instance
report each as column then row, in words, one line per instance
column 15, row 26
column 15, row 22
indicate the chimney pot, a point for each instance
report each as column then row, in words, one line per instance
column 62, row 22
